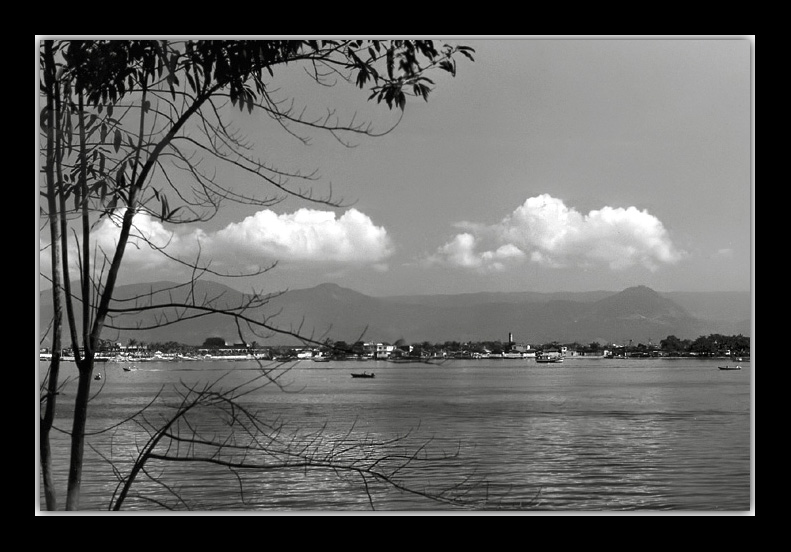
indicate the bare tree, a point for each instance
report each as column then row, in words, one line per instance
column 137, row 127
column 242, row 440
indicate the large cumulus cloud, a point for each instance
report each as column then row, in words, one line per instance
column 545, row 231
column 304, row 237
column 308, row 235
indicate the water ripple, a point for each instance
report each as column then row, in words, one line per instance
column 588, row 437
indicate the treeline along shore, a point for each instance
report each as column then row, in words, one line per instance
column 213, row 348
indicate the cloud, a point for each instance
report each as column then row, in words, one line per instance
column 140, row 255
column 461, row 251
column 145, row 238
column 545, row 231
column 305, row 236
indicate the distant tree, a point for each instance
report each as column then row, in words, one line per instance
column 213, row 343
column 496, row 347
column 704, row 346
column 341, row 348
column 451, row 345
column 719, row 344
column 739, row 345
column 358, row 348
column 171, row 347
column 124, row 127
column 672, row 345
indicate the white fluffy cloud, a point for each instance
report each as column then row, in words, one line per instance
column 547, row 232
column 147, row 235
column 140, row 255
column 461, row 251
column 305, row 236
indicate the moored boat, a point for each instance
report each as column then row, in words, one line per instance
column 363, row 375
column 730, row 367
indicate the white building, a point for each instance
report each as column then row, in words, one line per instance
column 378, row 350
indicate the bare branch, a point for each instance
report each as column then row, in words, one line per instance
column 138, row 127
column 250, row 444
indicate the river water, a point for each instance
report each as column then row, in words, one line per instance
column 588, row 435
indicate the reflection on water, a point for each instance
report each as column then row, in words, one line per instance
column 583, row 436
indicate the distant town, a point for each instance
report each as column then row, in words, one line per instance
column 215, row 348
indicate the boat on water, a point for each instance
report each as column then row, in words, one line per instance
column 730, row 367
column 549, row 360
column 97, row 377
column 127, row 368
column 363, row 375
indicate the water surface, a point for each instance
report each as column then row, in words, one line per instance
column 585, row 435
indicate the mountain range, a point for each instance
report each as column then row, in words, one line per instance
column 638, row 313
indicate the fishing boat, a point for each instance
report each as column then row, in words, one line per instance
column 127, row 368
column 550, row 359
column 97, row 377
column 730, row 367
column 363, row 375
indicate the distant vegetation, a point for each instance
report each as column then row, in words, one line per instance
column 712, row 345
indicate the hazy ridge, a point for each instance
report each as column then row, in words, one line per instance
column 639, row 314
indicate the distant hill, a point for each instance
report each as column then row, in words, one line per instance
column 725, row 312
column 328, row 310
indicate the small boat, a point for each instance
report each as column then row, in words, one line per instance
column 363, row 375
column 97, row 377
column 542, row 360
column 127, row 368
column 730, row 367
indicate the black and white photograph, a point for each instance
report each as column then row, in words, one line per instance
column 463, row 275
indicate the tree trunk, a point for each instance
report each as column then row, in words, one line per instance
column 45, row 450
column 78, row 432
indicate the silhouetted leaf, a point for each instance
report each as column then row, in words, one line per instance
column 362, row 76
column 467, row 51
column 120, row 177
column 390, row 63
column 43, row 118
column 448, row 66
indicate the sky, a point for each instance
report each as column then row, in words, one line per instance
column 544, row 165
